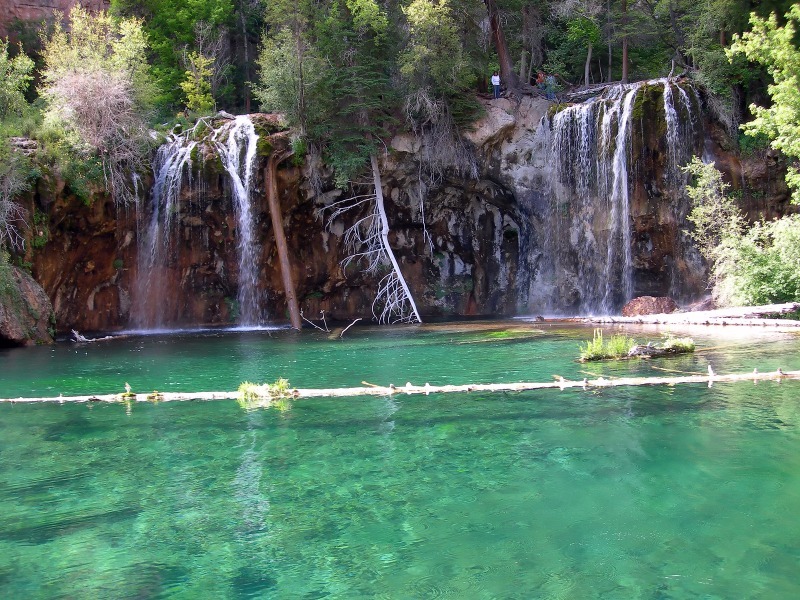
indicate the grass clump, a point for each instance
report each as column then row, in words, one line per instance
column 253, row 395
column 678, row 345
column 599, row 347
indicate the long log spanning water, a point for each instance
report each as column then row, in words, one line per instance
column 376, row 390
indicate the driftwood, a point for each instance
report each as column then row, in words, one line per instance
column 370, row 389
column 80, row 339
column 744, row 315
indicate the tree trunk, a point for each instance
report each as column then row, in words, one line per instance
column 523, row 68
column 587, row 68
column 376, row 176
column 271, row 183
column 624, row 41
column 610, row 49
column 509, row 77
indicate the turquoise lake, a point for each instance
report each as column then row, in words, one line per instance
column 652, row 493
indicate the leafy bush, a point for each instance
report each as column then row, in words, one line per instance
column 760, row 267
column 97, row 87
column 15, row 75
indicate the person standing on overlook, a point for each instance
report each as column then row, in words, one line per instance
column 496, row 84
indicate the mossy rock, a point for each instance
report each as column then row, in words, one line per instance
column 263, row 146
column 553, row 110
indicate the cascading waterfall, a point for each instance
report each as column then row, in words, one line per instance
column 235, row 142
column 238, row 156
column 157, row 247
column 588, row 250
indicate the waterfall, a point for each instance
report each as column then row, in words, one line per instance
column 157, row 303
column 157, row 244
column 596, row 161
column 238, row 156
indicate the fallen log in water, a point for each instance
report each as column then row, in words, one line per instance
column 377, row 390
column 753, row 316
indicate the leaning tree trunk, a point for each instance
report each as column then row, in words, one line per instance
column 588, row 66
column 376, row 176
column 271, row 183
column 509, row 77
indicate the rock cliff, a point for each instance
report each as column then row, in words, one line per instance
column 30, row 13
column 26, row 315
column 502, row 240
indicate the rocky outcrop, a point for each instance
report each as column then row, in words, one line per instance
column 649, row 305
column 31, row 13
column 26, row 315
column 504, row 241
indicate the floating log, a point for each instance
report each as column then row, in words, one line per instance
column 376, row 390
column 744, row 315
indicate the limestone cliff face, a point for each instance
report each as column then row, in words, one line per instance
column 26, row 315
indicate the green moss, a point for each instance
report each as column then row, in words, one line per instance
column 649, row 101
column 212, row 164
column 263, row 146
column 557, row 108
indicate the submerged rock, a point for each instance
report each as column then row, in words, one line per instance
column 26, row 314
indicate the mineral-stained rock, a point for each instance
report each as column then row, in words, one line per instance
column 649, row 305
column 36, row 11
column 26, row 315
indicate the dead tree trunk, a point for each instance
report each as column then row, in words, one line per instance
column 271, row 183
column 376, row 175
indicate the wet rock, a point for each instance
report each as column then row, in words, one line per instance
column 26, row 315
column 649, row 305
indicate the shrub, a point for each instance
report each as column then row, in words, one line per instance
column 760, row 267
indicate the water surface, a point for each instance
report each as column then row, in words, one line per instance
column 668, row 492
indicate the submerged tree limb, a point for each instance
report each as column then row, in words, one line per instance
column 376, row 390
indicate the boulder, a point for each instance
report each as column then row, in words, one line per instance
column 26, row 314
column 649, row 305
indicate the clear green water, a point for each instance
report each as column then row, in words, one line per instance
column 683, row 492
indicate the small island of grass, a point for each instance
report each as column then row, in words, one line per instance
column 622, row 347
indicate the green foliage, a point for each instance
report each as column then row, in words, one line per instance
column 15, row 76
column 774, row 47
column 599, row 348
column 434, row 55
column 197, row 84
column 760, row 267
column 170, row 26
column 41, row 229
column 251, row 396
column 750, row 144
column 584, row 30
column 97, row 88
column 714, row 214
column 678, row 345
